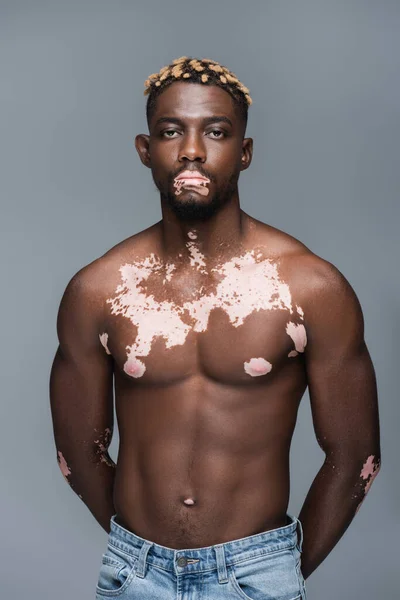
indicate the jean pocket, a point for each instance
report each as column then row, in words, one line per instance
column 272, row 575
column 116, row 572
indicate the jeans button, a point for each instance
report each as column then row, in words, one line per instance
column 182, row 561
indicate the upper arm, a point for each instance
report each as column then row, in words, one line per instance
column 81, row 380
column 340, row 373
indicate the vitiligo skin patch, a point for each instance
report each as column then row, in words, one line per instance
column 298, row 334
column 368, row 473
column 102, row 444
column 199, row 185
column 104, row 340
column 189, row 501
column 168, row 274
column 62, row 463
column 247, row 283
column 257, row 366
column 197, row 259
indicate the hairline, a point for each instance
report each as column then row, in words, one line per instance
column 236, row 108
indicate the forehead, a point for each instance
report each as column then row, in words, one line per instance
column 194, row 100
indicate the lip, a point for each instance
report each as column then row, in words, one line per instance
column 191, row 175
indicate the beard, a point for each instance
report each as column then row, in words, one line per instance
column 195, row 208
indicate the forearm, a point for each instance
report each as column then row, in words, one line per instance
column 331, row 504
column 92, row 479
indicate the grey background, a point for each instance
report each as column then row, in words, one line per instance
column 324, row 77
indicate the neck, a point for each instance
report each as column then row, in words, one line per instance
column 215, row 237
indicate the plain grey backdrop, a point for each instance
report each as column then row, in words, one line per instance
column 324, row 78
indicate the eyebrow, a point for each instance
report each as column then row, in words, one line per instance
column 205, row 121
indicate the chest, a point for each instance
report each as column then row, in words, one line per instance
column 235, row 324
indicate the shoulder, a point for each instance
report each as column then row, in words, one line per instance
column 306, row 272
column 102, row 272
column 95, row 281
column 315, row 277
column 316, row 284
column 329, row 303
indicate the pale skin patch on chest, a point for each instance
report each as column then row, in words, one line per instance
column 197, row 258
column 170, row 267
column 257, row 366
column 104, row 341
column 247, row 284
column 297, row 332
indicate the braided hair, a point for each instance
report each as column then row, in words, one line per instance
column 206, row 71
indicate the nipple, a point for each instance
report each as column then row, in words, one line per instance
column 189, row 501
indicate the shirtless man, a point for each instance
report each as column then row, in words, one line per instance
column 212, row 325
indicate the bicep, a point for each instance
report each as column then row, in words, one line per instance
column 340, row 373
column 81, row 390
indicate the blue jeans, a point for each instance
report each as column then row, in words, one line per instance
column 265, row 566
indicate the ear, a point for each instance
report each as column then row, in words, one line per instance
column 247, row 153
column 142, row 147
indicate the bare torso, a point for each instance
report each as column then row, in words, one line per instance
column 209, row 373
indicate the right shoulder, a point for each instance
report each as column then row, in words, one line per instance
column 82, row 310
column 98, row 279
column 85, row 295
column 81, row 306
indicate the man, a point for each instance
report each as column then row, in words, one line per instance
column 212, row 324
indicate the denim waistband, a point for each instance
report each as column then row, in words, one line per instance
column 217, row 556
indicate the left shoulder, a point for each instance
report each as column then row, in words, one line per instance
column 315, row 277
column 330, row 305
column 315, row 284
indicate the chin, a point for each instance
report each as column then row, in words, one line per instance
column 194, row 209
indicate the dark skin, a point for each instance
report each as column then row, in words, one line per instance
column 195, row 425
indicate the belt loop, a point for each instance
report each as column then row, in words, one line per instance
column 300, row 535
column 141, row 566
column 221, row 564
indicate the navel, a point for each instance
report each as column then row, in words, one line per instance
column 189, row 501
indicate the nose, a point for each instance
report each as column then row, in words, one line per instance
column 192, row 147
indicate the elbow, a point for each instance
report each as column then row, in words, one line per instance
column 352, row 464
column 370, row 470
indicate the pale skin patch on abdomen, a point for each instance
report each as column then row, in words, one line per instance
column 257, row 366
column 248, row 284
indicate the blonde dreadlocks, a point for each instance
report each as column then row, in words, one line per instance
column 196, row 70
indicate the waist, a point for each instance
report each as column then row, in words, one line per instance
column 204, row 558
column 182, row 515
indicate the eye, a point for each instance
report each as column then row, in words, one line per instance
column 167, row 131
column 221, row 133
